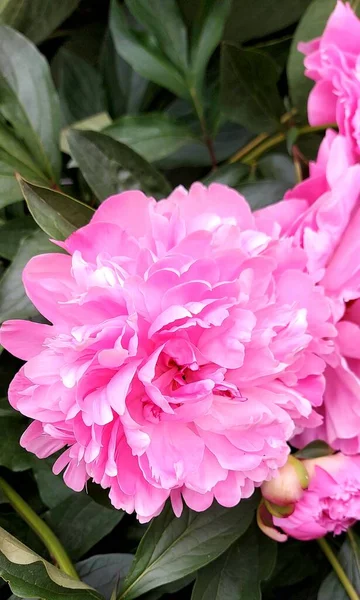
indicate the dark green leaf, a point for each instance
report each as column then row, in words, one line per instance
column 311, row 25
column 52, row 489
column 209, row 28
column 14, row 304
column 248, row 89
column 80, row 88
column 14, row 158
column 36, row 19
column 169, row 588
column 55, row 213
column 175, row 547
column 277, row 49
column 309, row 145
column 127, row 92
column 264, row 192
column 238, row 572
column 164, row 21
column 277, row 166
column 6, row 410
column 145, row 58
column 349, row 558
column 105, row 571
column 230, row 175
column 30, row 576
column 315, row 450
column 12, row 456
column 81, row 523
column 28, row 99
column 249, row 20
column 293, row 564
column 153, row 136
column 230, row 138
column 110, row 167
column 11, row 234
column 99, row 495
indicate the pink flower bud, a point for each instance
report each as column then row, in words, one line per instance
column 288, row 486
column 331, row 502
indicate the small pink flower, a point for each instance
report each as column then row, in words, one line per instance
column 333, row 62
column 183, row 351
column 330, row 504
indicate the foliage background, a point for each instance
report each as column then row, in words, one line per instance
column 96, row 98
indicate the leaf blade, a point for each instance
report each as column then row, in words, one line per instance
column 98, row 154
column 30, row 576
column 24, row 79
column 175, row 547
column 249, row 89
column 57, row 214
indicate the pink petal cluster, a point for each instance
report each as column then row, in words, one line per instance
column 333, row 62
column 322, row 216
column 330, row 504
column 185, row 348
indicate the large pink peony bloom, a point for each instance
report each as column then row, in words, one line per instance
column 330, row 504
column 322, row 215
column 333, row 62
column 184, row 350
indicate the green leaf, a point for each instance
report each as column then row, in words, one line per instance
column 104, row 572
column 230, row 175
column 277, row 166
column 253, row 20
column 175, row 547
column 110, row 167
column 14, row 158
column 249, row 91
column 153, row 136
column 144, row 57
column 81, row 523
column 94, row 123
column 293, row 565
column 14, row 304
column 169, row 588
column 314, row 450
column 11, row 234
column 230, row 138
column 169, row 30
column 80, row 87
column 238, row 572
column 349, row 558
column 209, row 29
column 36, row 19
column 311, row 25
column 127, row 92
column 30, row 576
column 52, row 489
column 56, row 214
column 12, row 456
column 28, row 100
column 263, row 193
column 6, row 410
column 99, row 494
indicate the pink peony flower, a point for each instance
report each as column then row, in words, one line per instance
column 330, row 504
column 333, row 62
column 184, row 351
column 321, row 215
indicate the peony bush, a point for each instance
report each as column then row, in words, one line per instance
column 179, row 300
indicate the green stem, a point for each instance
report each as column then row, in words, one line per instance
column 250, row 154
column 42, row 530
column 200, row 113
column 346, row 583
